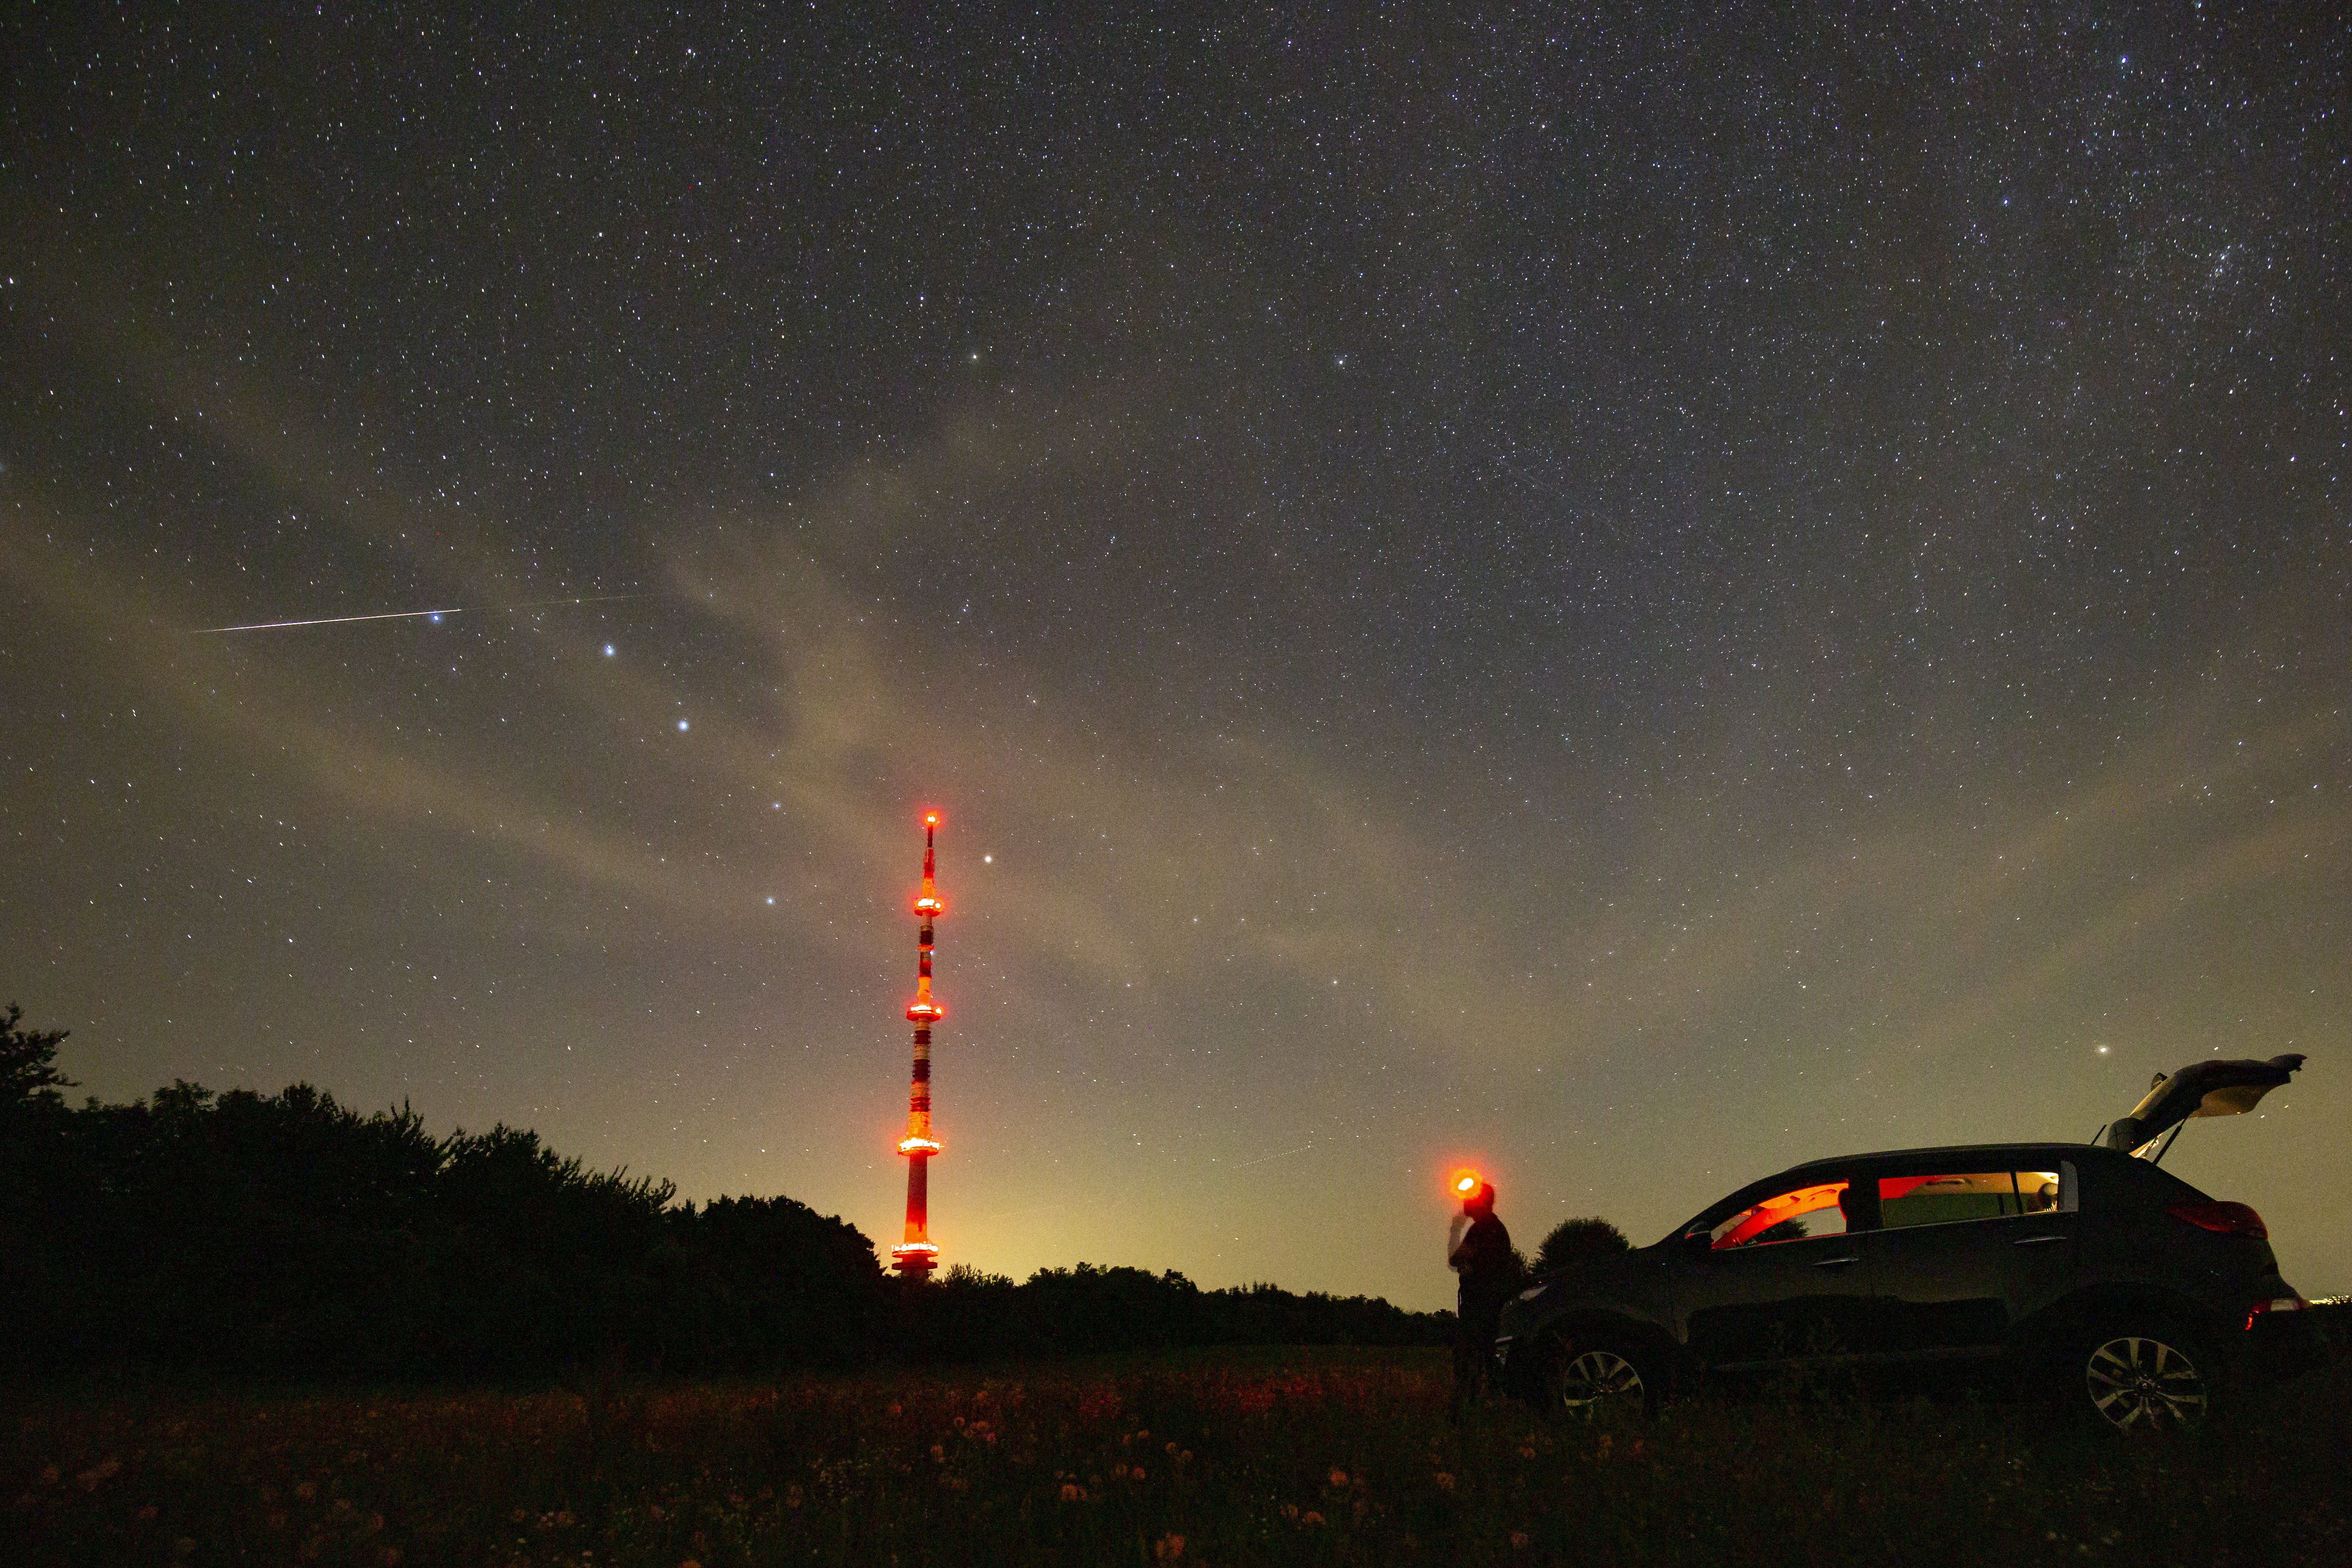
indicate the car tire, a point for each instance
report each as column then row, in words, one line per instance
column 2140, row 1375
column 1604, row 1379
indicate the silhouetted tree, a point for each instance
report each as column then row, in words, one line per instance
column 31, row 1116
column 29, row 1073
column 1575, row 1241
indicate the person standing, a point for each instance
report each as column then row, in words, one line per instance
column 1478, row 1249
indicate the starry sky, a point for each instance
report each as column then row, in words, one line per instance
column 1633, row 596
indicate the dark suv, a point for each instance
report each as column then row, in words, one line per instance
column 2093, row 1272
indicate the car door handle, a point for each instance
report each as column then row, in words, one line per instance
column 1836, row 1262
column 2037, row 1241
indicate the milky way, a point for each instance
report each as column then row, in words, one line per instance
column 1635, row 601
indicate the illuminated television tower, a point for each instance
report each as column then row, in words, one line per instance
column 915, row 1256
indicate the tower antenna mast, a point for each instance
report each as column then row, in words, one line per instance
column 915, row 1256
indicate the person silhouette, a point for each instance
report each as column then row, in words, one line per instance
column 1478, row 1249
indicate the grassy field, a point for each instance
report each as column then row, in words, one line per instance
column 1294, row 1458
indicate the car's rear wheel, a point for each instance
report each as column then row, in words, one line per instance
column 1604, row 1379
column 2147, row 1377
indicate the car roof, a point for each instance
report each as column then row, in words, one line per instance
column 1953, row 1152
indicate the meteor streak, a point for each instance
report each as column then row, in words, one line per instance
column 1277, row 1154
column 412, row 615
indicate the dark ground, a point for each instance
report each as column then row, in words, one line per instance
column 1222, row 1458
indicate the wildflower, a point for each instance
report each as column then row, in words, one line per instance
column 1310, row 1517
column 1168, row 1548
column 1444, row 1482
column 1290, row 1510
column 1338, row 1476
column 1120, row 1470
column 939, row 1452
column 1172, row 1450
column 1519, row 1541
column 1137, row 1472
column 792, row 1496
column 105, row 1470
column 1185, row 1458
column 1527, row 1452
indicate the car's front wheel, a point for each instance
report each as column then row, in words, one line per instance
column 2146, row 1378
column 1600, row 1379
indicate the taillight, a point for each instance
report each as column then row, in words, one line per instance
column 2228, row 1219
column 2276, row 1304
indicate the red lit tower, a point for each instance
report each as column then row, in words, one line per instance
column 915, row 1256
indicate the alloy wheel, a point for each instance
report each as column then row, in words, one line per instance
column 2139, row 1384
column 1597, row 1380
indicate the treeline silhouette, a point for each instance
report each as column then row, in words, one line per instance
column 970, row 1316
column 289, row 1235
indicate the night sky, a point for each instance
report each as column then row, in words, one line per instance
column 1633, row 597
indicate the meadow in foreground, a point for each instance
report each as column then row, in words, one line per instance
column 1248, row 1458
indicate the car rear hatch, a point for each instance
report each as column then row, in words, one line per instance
column 2201, row 1088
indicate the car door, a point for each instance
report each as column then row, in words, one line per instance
column 1772, row 1277
column 1967, row 1247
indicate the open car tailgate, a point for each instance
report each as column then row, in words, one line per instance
column 2201, row 1088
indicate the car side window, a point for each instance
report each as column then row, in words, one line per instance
column 1945, row 1197
column 1793, row 1216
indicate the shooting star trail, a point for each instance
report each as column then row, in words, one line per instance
column 1277, row 1154
column 412, row 615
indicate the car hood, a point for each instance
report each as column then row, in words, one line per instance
column 2201, row 1088
column 1628, row 1283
